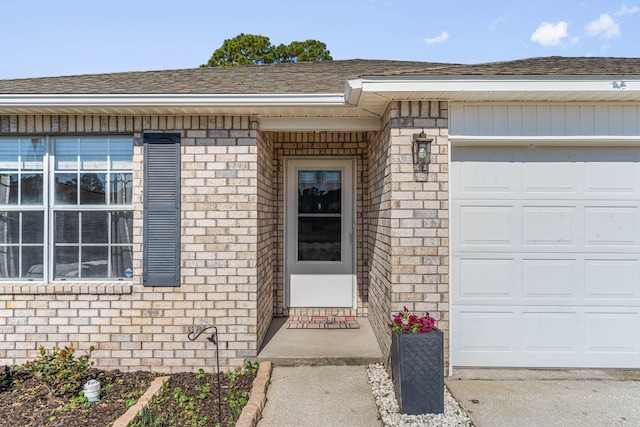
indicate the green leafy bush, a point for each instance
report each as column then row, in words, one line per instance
column 60, row 370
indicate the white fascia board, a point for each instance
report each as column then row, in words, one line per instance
column 352, row 91
column 546, row 140
column 177, row 100
column 497, row 84
column 320, row 124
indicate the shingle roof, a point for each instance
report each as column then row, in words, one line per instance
column 306, row 78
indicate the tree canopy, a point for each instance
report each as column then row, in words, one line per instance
column 249, row 49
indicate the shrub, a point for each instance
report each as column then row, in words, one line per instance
column 60, row 370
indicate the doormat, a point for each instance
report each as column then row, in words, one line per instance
column 322, row 322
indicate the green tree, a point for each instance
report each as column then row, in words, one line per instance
column 249, row 49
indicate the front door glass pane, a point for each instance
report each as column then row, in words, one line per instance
column 319, row 215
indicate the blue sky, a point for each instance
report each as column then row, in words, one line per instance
column 66, row 37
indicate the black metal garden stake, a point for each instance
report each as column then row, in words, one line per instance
column 214, row 339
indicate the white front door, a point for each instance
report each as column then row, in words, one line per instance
column 319, row 233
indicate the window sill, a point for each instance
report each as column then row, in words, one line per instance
column 77, row 288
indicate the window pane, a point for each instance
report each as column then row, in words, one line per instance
column 66, row 191
column 93, row 153
column 9, row 262
column 121, row 227
column 66, row 152
column 95, row 261
column 93, row 187
column 121, row 153
column 32, row 152
column 319, row 239
column 9, row 227
column 8, row 189
column 67, row 227
column 121, row 260
column 32, row 261
column 95, row 227
column 121, row 188
column 32, row 227
column 67, row 263
column 31, row 189
column 9, row 151
column 319, row 191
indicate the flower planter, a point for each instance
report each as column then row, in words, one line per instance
column 417, row 368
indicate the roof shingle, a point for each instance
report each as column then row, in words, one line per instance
column 306, row 77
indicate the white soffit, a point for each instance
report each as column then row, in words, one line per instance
column 320, row 123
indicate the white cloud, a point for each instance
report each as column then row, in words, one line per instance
column 438, row 39
column 604, row 26
column 549, row 34
column 624, row 10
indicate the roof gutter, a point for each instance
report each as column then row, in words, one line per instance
column 173, row 100
column 488, row 84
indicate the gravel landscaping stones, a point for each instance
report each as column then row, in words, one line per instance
column 382, row 388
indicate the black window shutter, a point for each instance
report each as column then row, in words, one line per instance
column 161, row 209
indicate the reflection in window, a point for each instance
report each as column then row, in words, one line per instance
column 319, row 215
column 92, row 241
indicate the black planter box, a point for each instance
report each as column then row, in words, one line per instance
column 417, row 367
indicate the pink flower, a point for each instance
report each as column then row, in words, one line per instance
column 406, row 322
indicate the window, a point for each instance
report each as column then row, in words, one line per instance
column 66, row 208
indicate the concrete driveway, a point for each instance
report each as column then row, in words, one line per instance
column 527, row 397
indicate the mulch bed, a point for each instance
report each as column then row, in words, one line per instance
column 28, row 402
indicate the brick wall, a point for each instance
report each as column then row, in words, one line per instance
column 267, row 233
column 134, row 327
column 409, row 226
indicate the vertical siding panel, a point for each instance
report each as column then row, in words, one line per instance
column 601, row 120
column 586, row 119
column 514, row 120
column 529, row 120
column 470, row 118
column 500, row 121
column 629, row 120
column 615, row 120
column 543, row 120
column 456, row 120
column 485, row 120
column 557, row 120
column 572, row 120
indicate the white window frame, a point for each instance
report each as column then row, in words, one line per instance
column 49, row 208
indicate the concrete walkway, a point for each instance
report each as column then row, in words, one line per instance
column 533, row 398
column 295, row 347
column 319, row 396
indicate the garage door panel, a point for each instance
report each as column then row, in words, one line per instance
column 545, row 256
column 550, row 332
column 486, row 279
column 494, row 331
column 546, row 337
column 487, row 225
column 549, row 177
column 612, row 226
column 612, row 332
column 549, row 225
column 599, row 285
column 549, row 278
column 611, row 177
column 546, row 278
column 487, row 178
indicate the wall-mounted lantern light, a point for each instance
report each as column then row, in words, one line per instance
column 421, row 151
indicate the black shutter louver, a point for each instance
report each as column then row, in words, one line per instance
column 161, row 209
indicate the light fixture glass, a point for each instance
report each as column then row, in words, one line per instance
column 421, row 148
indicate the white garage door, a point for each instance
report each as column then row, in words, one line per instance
column 545, row 257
